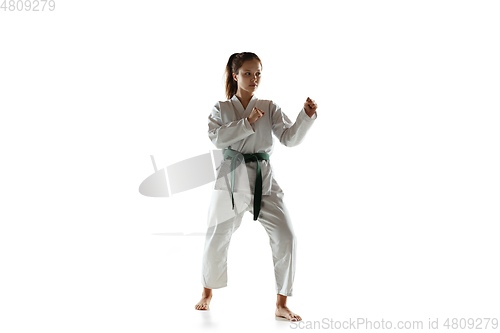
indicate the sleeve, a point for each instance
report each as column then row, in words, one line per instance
column 290, row 134
column 223, row 135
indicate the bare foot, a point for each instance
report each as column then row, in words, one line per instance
column 206, row 297
column 284, row 311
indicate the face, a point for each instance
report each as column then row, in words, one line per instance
column 249, row 75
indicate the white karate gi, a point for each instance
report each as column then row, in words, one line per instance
column 228, row 127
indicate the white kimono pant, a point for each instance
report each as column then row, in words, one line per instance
column 223, row 222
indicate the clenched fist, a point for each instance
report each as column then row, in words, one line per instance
column 310, row 107
column 256, row 114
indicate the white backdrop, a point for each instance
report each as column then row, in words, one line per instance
column 393, row 194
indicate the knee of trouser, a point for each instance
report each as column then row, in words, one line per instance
column 288, row 238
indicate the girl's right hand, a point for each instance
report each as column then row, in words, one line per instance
column 255, row 114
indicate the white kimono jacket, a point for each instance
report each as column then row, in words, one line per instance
column 228, row 127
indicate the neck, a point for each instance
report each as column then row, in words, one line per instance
column 244, row 96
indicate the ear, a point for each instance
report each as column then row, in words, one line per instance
column 235, row 77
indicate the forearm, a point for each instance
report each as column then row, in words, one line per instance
column 229, row 133
column 295, row 134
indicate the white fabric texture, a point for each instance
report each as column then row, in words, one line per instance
column 228, row 127
column 276, row 221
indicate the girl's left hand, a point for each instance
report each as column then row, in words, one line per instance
column 310, row 107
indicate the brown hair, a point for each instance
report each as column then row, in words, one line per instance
column 236, row 60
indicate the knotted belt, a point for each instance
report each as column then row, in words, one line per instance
column 235, row 156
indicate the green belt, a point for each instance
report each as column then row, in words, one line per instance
column 235, row 156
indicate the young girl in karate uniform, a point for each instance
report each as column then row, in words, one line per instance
column 243, row 126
